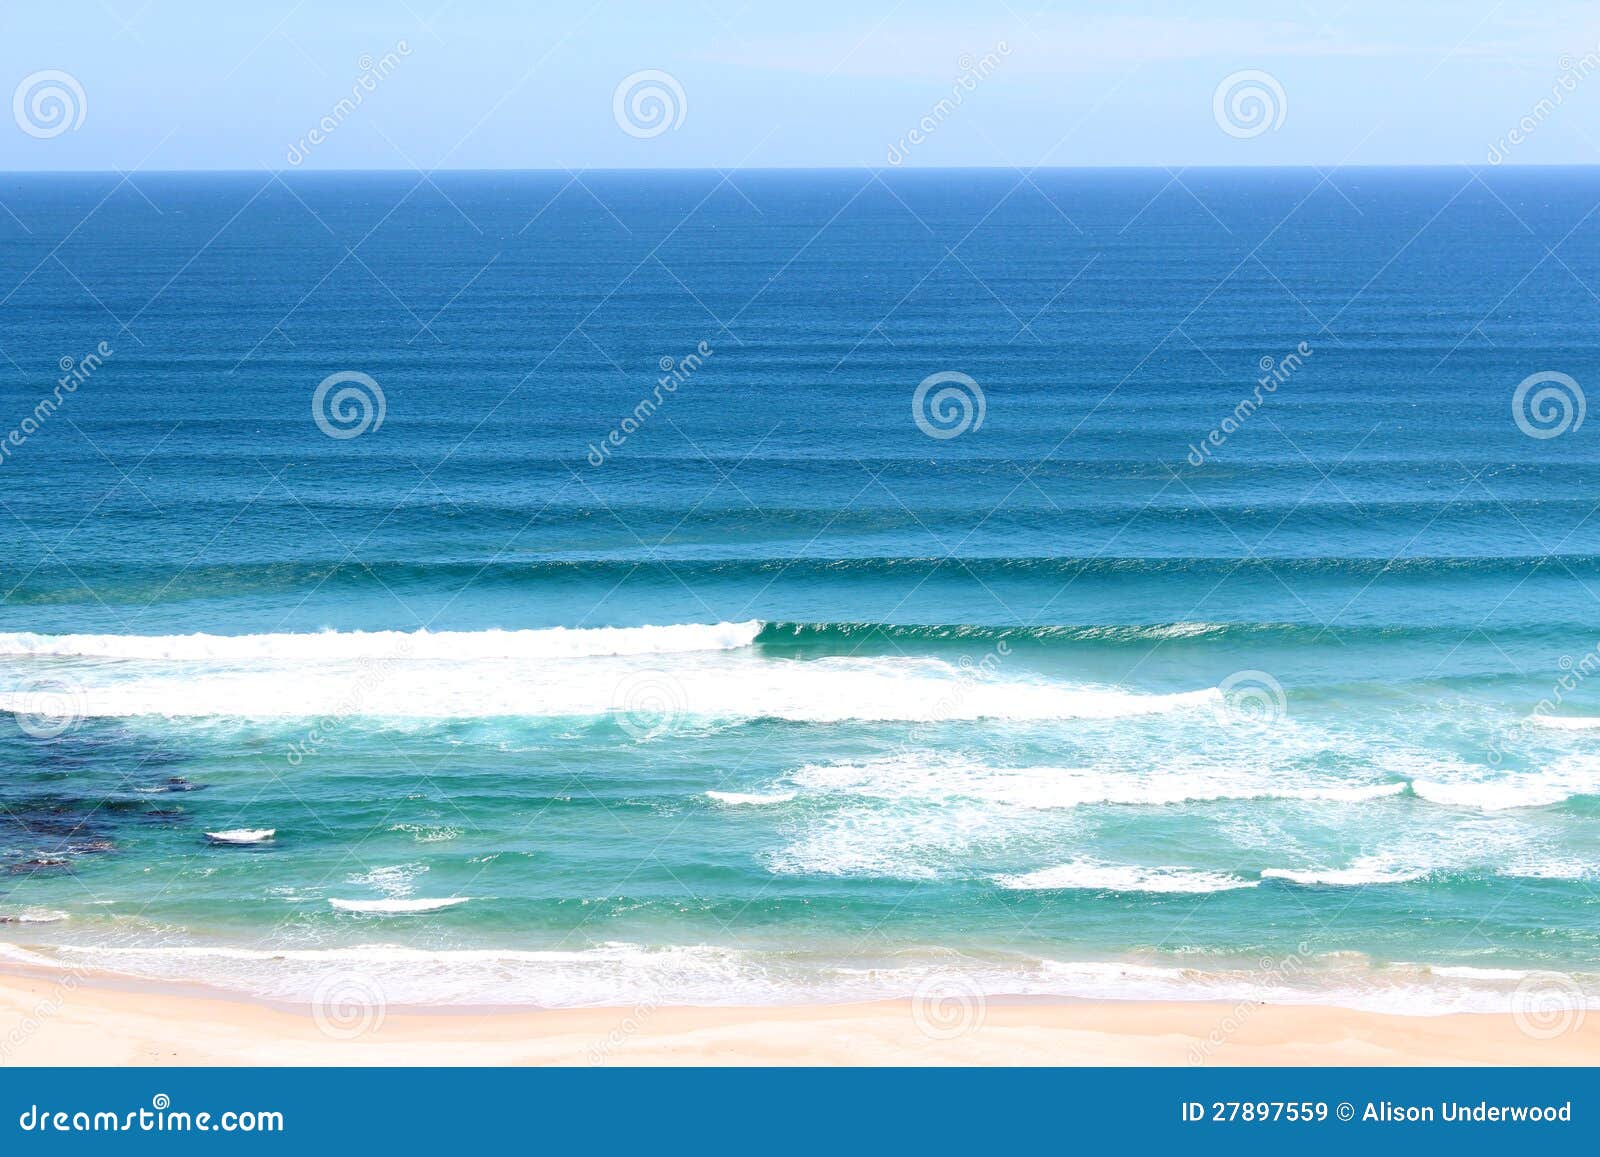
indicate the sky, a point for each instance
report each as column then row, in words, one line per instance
column 152, row 85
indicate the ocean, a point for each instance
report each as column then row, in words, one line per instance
column 776, row 587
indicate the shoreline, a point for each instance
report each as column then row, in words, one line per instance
column 65, row 1018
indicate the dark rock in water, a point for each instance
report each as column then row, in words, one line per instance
column 38, row 864
column 49, row 825
column 175, row 783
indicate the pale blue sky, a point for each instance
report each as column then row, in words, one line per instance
column 180, row 84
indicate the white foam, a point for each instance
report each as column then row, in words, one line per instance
column 425, row 834
column 1552, row 868
column 393, row 880
column 243, row 835
column 927, row 816
column 1567, row 722
column 1088, row 876
column 623, row 975
column 397, row 907
column 750, row 799
column 1555, row 784
column 1468, row 972
column 684, row 688
column 33, row 916
column 1354, row 876
column 934, row 778
column 879, row 844
column 334, row 646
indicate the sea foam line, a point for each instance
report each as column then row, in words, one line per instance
column 462, row 646
column 940, row 779
column 750, row 799
column 620, row 975
column 678, row 691
column 1356, row 875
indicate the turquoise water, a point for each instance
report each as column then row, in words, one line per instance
column 776, row 696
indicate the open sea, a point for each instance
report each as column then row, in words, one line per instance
column 582, row 579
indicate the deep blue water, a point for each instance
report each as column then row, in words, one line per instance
column 1045, row 705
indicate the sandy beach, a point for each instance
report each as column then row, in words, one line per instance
column 75, row 1020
